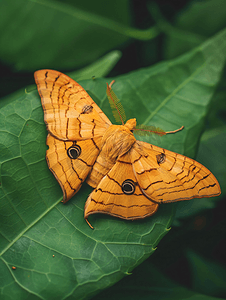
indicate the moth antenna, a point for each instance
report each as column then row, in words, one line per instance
column 143, row 130
column 89, row 223
column 174, row 131
column 112, row 82
column 116, row 106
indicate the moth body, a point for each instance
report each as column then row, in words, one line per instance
column 116, row 141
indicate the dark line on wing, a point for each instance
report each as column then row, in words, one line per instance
column 58, row 161
column 107, row 192
column 152, row 169
column 73, row 166
column 114, row 181
column 123, row 162
column 51, row 97
column 120, row 205
column 63, row 95
column 163, row 188
column 76, row 172
column 95, row 144
column 207, row 187
column 189, row 171
column 93, row 121
column 173, row 163
column 54, row 82
column 172, row 182
column 80, row 127
column 46, row 75
column 157, row 182
column 66, row 111
column 67, row 124
column 190, row 179
column 190, row 188
column 137, row 159
column 183, row 166
column 65, row 90
column 84, row 162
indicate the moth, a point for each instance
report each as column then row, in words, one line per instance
column 130, row 177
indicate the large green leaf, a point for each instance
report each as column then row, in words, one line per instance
column 35, row 226
column 53, row 34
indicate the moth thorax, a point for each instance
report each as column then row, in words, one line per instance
column 117, row 140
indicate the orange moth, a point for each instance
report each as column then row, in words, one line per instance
column 130, row 177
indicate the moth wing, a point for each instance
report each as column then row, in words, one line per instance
column 69, row 112
column 71, row 162
column 118, row 194
column 165, row 176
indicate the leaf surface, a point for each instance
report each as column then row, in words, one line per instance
column 56, row 254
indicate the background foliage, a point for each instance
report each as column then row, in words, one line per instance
column 161, row 54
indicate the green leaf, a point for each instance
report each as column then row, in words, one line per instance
column 57, row 35
column 35, row 226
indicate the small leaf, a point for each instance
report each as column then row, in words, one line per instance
column 99, row 68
